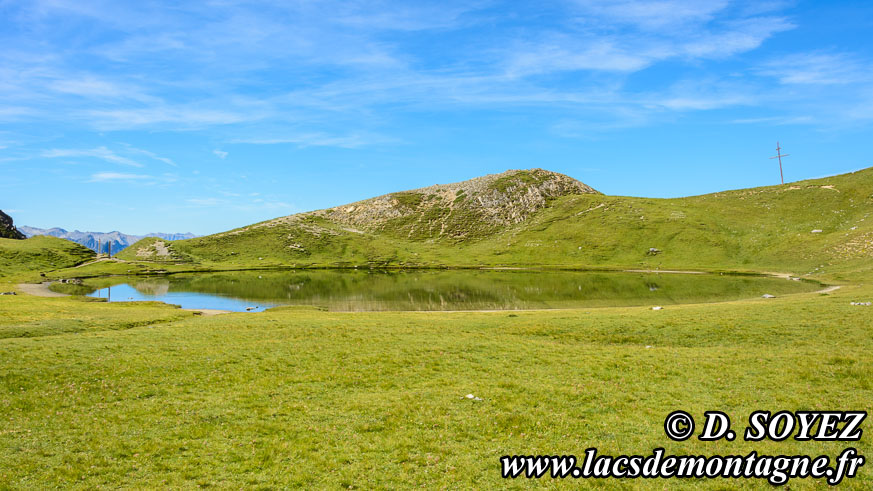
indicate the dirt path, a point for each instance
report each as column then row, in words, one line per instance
column 39, row 290
column 208, row 312
column 103, row 259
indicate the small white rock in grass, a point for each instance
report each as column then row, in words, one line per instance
column 648, row 346
column 865, row 304
column 471, row 396
column 657, row 308
column 767, row 295
column 816, row 231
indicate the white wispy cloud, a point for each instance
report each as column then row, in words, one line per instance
column 101, row 153
column 319, row 140
column 242, row 204
column 206, row 201
column 220, row 154
column 818, row 68
column 653, row 14
column 563, row 53
column 705, row 94
column 776, row 120
column 118, row 176
column 151, row 155
column 338, row 71
column 117, row 119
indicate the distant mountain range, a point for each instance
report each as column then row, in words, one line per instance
column 101, row 240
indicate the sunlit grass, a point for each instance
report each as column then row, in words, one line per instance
column 320, row 399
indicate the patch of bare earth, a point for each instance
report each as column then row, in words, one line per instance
column 39, row 290
column 158, row 248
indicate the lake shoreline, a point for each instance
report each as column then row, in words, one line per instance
column 429, row 290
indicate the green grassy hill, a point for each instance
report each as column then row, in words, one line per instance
column 539, row 218
column 41, row 253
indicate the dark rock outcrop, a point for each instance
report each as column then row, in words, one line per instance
column 7, row 229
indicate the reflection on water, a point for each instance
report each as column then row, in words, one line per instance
column 348, row 290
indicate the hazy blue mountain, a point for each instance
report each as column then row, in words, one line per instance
column 92, row 240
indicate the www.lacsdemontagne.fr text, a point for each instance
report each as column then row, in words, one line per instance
column 776, row 469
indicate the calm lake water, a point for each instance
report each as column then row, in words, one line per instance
column 354, row 290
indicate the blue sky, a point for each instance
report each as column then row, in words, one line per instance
column 154, row 116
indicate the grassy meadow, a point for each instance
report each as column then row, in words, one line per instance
column 145, row 395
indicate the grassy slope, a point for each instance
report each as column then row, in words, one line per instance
column 40, row 254
column 368, row 400
column 754, row 229
column 760, row 228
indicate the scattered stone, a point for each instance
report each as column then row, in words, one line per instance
column 8, row 293
column 816, row 231
column 657, row 308
column 653, row 251
column 865, row 304
column 471, row 396
column 767, row 295
column 648, row 346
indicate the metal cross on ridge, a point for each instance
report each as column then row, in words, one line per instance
column 779, row 156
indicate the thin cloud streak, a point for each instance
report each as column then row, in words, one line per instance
column 101, row 153
column 118, row 176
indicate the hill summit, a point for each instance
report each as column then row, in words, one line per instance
column 446, row 213
column 460, row 210
column 468, row 209
column 523, row 218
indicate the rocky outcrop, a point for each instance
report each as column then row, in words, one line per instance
column 468, row 209
column 460, row 210
column 7, row 229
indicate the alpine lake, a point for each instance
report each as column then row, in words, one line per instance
column 435, row 290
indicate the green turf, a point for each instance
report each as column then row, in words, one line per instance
column 41, row 253
column 296, row 397
column 144, row 395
